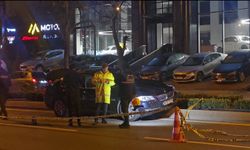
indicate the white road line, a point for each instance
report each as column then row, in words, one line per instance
column 39, row 127
column 202, row 143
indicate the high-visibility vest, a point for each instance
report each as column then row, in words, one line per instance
column 103, row 82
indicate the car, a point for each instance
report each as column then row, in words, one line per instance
column 149, row 96
column 112, row 50
column 45, row 60
column 28, row 84
column 235, row 67
column 197, row 67
column 235, row 42
column 161, row 68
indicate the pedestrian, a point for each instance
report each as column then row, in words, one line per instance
column 127, row 92
column 103, row 81
column 5, row 83
column 72, row 83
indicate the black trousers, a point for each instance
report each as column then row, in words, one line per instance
column 124, row 105
column 3, row 99
column 73, row 101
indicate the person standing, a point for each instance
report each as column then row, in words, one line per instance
column 103, row 81
column 72, row 82
column 5, row 83
column 127, row 92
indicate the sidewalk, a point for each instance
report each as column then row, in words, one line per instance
column 244, row 94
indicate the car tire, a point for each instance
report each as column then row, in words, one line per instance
column 39, row 68
column 199, row 77
column 241, row 77
column 244, row 47
column 130, row 109
column 60, row 108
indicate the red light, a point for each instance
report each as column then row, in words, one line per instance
column 34, row 80
column 29, row 38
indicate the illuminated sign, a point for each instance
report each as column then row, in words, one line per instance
column 30, row 38
column 11, row 30
column 33, row 29
column 10, row 39
column 50, row 27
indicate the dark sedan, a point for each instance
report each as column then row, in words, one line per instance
column 235, row 67
column 149, row 96
column 161, row 68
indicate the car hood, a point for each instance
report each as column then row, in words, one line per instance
column 226, row 68
column 153, row 88
column 184, row 69
column 31, row 62
column 151, row 69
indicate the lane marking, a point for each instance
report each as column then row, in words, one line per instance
column 202, row 143
column 39, row 127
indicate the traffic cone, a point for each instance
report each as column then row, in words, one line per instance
column 177, row 133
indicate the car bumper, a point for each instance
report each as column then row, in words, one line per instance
column 225, row 78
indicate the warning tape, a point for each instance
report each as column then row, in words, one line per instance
column 158, row 110
column 188, row 127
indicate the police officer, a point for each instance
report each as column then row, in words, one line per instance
column 72, row 82
column 103, row 81
column 127, row 92
column 5, row 83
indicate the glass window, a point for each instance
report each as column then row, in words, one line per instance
column 193, row 61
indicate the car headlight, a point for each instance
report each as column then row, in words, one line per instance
column 137, row 100
column 190, row 73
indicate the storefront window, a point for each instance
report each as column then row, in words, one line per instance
column 226, row 27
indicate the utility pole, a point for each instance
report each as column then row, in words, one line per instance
column 66, row 34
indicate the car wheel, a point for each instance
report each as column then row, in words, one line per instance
column 130, row 109
column 60, row 108
column 199, row 76
column 39, row 68
column 241, row 77
column 244, row 47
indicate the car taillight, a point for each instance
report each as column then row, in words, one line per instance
column 34, row 80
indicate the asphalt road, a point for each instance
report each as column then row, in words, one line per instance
column 20, row 134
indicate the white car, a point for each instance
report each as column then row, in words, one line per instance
column 111, row 50
column 198, row 66
column 235, row 42
column 46, row 60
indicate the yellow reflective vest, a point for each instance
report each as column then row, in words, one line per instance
column 103, row 82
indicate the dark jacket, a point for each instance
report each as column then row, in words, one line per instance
column 126, row 86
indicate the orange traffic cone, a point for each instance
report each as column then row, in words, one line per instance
column 177, row 133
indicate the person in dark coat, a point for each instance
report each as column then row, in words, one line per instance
column 5, row 83
column 72, row 83
column 127, row 92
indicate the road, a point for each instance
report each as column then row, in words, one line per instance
column 20, row 134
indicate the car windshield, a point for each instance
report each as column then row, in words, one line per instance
column 159, row 61
column 193, row 61
column 234, row 59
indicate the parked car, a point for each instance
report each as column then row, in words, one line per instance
column 235, row 42
column 161, row 68
column 235, row 67
column 111, row 50
column 197, row 67
column 149, row 96
column 46, row 60
column 28, row 84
